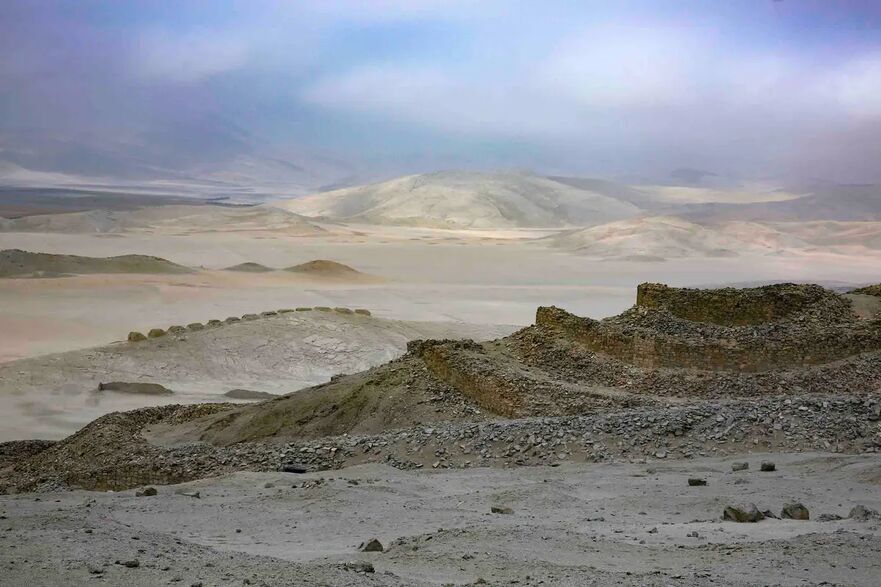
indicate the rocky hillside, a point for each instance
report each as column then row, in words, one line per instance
column 678, row 372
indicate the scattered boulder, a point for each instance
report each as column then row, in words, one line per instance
column 768, row 466
column 359, row 567
column 195, row 326
column 250, row 317
column 135, row 336
column 829, row 518
column 861, row 513
column 135, row 387
column 363, row 312
column 324, row 308
column 156, row 333
column 249, row 394
column 343, row 310
column 214, row 323
column 131, row 564
column 741, row 466
column 372, row 545
column 501, row 510
column 268, row 313
column 233, row 319
column 146, row 492
column 294, row 468
column 696, row 482
column 743, row 513
column 303, row 309
column 771, row 515
column 795, row 511
column 176, row 329
column 285, row 310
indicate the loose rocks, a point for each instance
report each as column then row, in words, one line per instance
column 739, row 467
column 136, row 337
column 768, row 466
column 146, row 492
column 696, row 482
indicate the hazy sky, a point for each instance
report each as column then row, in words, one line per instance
column 758, row 88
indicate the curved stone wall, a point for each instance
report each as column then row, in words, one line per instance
column 743, row 307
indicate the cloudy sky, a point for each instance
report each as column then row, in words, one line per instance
column 756, row 88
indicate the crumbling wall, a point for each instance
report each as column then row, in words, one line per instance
column 727, row 350
column 742, row 307
column 485, row 387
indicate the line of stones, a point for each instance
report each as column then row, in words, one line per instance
column 136, row 336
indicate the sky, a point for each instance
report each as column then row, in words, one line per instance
column 751, row 89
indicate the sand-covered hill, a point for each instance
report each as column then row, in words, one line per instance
column 458, row 199
column 325, row 268
column 665, row 237
column 845, row 203
column 176, row 219
column 670, row 237
column 18, row 263
column 53, row 395
column 249, row 267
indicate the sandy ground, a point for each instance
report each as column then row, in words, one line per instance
column 589, row 524
column 54, row 395
column 480, row 277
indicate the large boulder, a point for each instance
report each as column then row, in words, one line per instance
column 742, row 513
column 795, row 511
column 135, row 336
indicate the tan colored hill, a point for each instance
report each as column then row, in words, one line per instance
column 174, row 219
column 250, row 267
column 18, row 263
column 665, row 237
column 325, row 268
column 670, row 237
column 458, row 199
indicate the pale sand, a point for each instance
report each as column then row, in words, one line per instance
column 487, row 277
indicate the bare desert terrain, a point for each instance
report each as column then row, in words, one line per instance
column 249, row 394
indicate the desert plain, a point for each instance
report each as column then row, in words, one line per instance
column 530, row 460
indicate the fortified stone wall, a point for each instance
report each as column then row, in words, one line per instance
column 484, row 387
column 650, row 348
column 743, row 307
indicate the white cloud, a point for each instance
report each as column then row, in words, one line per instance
column 857, row 86
column 190, row 57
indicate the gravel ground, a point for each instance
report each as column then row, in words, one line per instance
column 576, row 524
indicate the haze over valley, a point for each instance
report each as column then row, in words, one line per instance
column 440, row 293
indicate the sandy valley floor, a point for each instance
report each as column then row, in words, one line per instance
column 477, row 277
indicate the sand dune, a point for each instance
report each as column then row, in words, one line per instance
column 457, row 199
column 176, row 219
